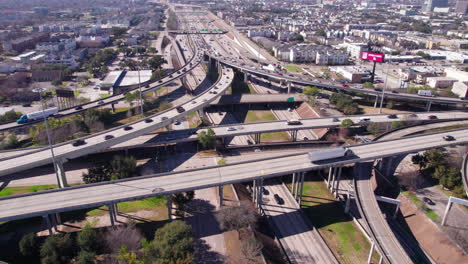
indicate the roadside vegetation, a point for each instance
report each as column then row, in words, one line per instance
column 172, row 243
column 441, row 168
column 344, row 103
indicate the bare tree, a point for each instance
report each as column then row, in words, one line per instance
column 251, row 249
column 235, row 218
column 126, row 235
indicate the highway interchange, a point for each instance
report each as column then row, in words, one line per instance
column 93, row 195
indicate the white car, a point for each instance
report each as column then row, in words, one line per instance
column 231, row 129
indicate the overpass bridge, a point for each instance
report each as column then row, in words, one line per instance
column 258, row 98
column 108, row 193
column 327, row 85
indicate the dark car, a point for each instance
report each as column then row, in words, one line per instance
column 213, row 92
column 265, row 191
column 160, row 81
column 413, row 115
column 164, row 118
column 126, row 128
column 432, row 117
column 107, row 137
column 428, row 201
column 79, row 107
column 377, row 89
column 395, row 92
column 148, row 120
column 147, row 86
column 26, row 105
column 249, row 142
column 448, row 138
column 100, row 102
column 79, row 142
column 220, row 113
column 278, row 199
column 392, row 116
column 180, row 109
column 177, row 122
column 336, row 119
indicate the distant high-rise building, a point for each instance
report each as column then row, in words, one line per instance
column 430, row 4
column 461, row 7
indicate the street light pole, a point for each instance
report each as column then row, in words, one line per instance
column 139, row 88
column 383, row 91
column 40, row 90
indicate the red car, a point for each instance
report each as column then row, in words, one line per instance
column 345, row 85
column 279, row 73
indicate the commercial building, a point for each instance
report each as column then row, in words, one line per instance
column 461, row 7
column 440, row 82
column 431, row 4
column 21, row 44
column 267, row 33
column 460, row 89
column 320, row 55
column 355, row 74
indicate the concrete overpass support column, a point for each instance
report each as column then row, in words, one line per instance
column 396, row 211
column 333, row 179
column 254, row 192
column 447, row 209
column 301, row 188
column 381, row 260
column 48, row 223
column 330, row 172
column 220, row 192
column 388, row 166
column 337, row 182
column 60, row 173
column 376, row 100
column 369, row 259
column 293, row 184
column 260, row 194
column 428, row 106
column 348, row 202
column 111, row 213
column 246, row 77
column 296, row 186
column 58, row 219
column 169, row 206
column 289, row 87
column 257, row 138
column 293, row 135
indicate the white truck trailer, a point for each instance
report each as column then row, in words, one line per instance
column 427, row 93
column 37, row 115
column 331, row 153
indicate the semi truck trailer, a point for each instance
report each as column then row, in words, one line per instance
column 37, row 115
column 326, row 154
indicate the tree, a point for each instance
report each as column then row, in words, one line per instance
column 57, row 249
column 207, row 138
column 373, row 128
column 310, row 91
column 156, row 62
column 419, row 160
column 127, row 257
column 397, row 124
column 88, row 239
column 122, row 167
column 347, row 123
column 156, row 75
column 173, row 243
column 321, row 33
column 123, row 236
column 29, row 245
column 235, row 218
column 118, row 32
column 251, row 249
column 435, row 158
column 183, row 198
column 96, row 174
column 85, row 257
column 423, row 54
column 368, row 85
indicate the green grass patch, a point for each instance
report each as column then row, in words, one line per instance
column 251, row 89
column 9, row 191
column 292, row 68
column 338, row 230
column 163, row 90
column 412, row 197
column 259, row 116
column 76, row 93
column 145, row 204
column 104, row 95
column 222, row 161
column 432, row 215
column 274, row 136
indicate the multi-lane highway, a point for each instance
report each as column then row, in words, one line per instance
column 98, row 142
column 87, row 196
column 158, row 84
column 235, row 130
